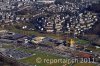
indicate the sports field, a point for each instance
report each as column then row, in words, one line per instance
column 33, row 59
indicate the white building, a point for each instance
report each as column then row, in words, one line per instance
column 45, row 1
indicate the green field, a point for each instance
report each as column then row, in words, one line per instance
column 32, row 60
column 38, row 54
column 81, row 41
column 93, row 49
column 27, row 32
column 84, row 64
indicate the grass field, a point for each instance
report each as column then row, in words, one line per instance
column 81, row 41
column 32, row 60
column 93, row 49
column 38, row 54
column 84, row 64
column 27, row 32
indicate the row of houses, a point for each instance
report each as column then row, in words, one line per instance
column 59, row 23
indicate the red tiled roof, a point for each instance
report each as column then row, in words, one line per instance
column 85, row 55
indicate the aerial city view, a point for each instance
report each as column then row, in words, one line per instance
column 49, row 32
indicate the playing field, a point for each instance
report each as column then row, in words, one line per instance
column 33, row 59
column 45, row 55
